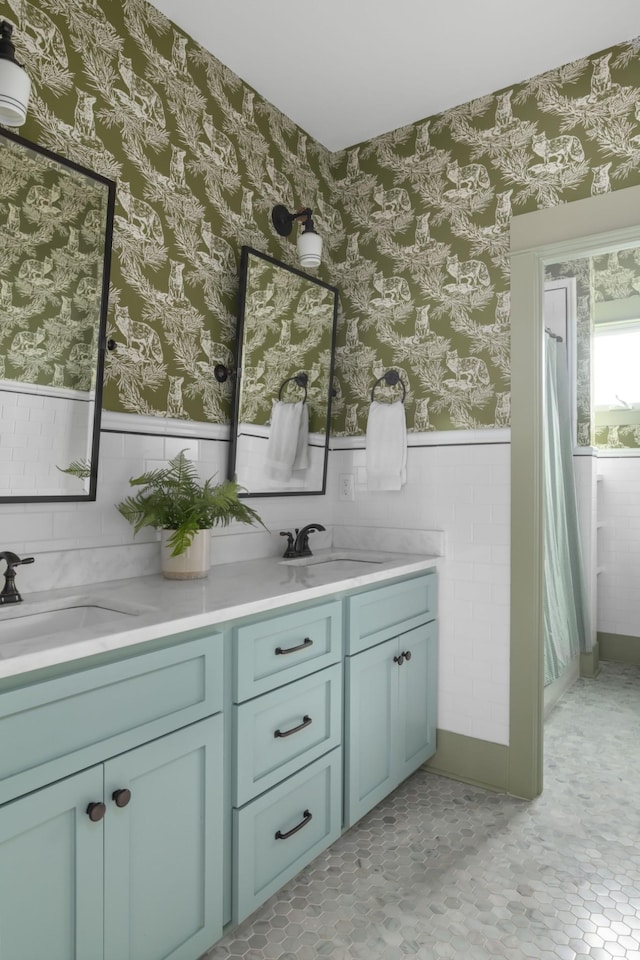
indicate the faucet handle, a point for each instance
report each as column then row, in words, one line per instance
column 9, row 593
column 289, row 552
column 13, row 560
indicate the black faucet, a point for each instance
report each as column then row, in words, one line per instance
column 9, row 591
column 300, row 547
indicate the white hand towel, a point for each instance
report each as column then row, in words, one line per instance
column 284, row 437
column 301, row 461
column 386, row 446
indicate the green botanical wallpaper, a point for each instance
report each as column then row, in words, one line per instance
column 288, row 326
column 415, row 222
column 617, row 275
column 618, row 433
column 425, row 276
column 582, row 270
column 200, row 159
column 52, row 225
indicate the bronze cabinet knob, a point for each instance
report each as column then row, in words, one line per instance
column 96, row 811
column 121, row 797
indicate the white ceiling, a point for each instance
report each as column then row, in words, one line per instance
column 348, row 70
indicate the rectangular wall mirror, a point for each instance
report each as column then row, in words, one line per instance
column 282, row 393
column 56, row 222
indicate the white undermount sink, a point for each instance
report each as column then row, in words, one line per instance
column 22, row 621
column 338, row 558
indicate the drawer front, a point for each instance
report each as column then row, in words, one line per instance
column 280, row 732
column 56, row 727
column 282, row 831
column 382, row 613
column 280, row 649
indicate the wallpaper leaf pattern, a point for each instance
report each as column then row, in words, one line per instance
column 415, row 222
column 199, row 158
column 425, row 280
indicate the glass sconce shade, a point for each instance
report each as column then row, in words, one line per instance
column 309, row 249
column 15, row 85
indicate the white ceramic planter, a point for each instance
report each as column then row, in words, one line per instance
column 193, row 564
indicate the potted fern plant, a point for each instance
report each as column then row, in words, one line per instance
column 175, row 501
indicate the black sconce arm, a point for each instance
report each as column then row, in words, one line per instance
column 283, row 220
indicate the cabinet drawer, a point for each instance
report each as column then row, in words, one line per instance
column 53, row 728
column 280, row 732
column 283, row 648
column 384, row 612
column 278, row 834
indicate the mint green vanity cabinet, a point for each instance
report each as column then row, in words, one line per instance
column 198, row 822
column 390, row 690
column 287, row 747
column 123, row 860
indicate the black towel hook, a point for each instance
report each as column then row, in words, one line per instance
column 391, row 378
column 301, row 380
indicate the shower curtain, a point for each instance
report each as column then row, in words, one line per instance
column 566, row 626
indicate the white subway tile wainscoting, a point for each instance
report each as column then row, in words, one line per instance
column 460, row 489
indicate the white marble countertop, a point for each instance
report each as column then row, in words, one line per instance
column 160, row 607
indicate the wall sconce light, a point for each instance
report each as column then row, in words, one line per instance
column 309, row 243
column 15, row 85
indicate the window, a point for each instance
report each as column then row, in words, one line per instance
column 617, row 364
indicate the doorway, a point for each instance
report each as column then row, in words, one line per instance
column 583, row 228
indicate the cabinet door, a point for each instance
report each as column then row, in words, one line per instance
column 371, row 729
column 163, row 850
column 417, row 719
column 51, row 869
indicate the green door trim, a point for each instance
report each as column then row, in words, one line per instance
column 544, row 236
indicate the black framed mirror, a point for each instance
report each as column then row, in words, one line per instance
column 285, row 346
column 56, row 226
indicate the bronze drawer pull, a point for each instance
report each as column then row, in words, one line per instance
column 306, row 817
column 407, row 655
column 307, row 642
column 306, row 720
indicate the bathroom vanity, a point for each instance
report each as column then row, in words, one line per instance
column 159, row 781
